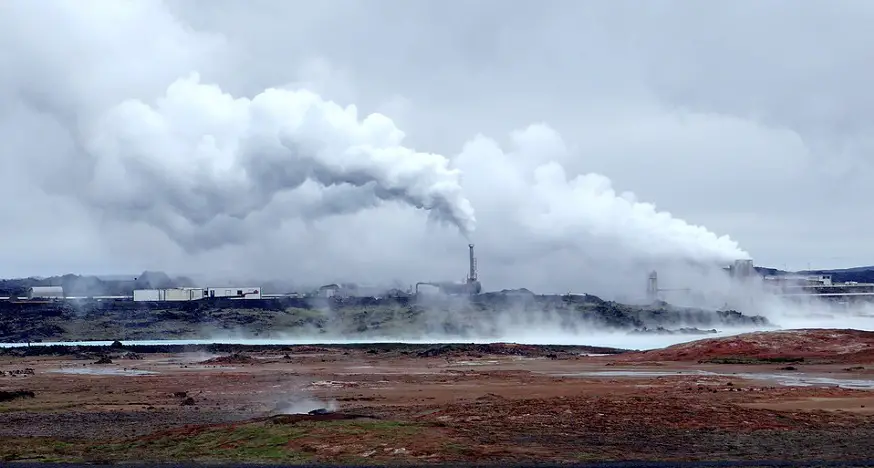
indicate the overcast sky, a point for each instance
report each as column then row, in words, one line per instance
column 752, row 119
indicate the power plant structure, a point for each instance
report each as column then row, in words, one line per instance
column 653, row 290
column 469, row 286
column 745, row 280
column 742, row 269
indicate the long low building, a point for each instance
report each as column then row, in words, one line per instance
column 234, row 292
column 194, row 294
column 169, row 294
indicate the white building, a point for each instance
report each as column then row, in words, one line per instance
column 148, row 295
column 183, row 294
column 45, row 292
column 784, row 281
column 234, row 292
column 169, row 294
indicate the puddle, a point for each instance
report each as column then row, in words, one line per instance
column 475, row 363
column 802, row 380
column 634, row 373
column 789, row 380
column 333, row 384
column 387, row 372
column 205, row 367
column 109, row 371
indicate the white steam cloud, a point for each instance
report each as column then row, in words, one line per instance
column 199, row 161
column 565, row 209
column 212, row 169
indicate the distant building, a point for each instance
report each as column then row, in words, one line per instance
column 45, row 292
column 329, row 290
column 235, row 292
column 169, row 294
column 783, row 281
column 742, row 269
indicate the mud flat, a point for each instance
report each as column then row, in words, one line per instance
column 376, row 404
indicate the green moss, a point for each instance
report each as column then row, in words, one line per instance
column 253, row 442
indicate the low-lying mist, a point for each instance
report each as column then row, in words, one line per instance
column 716, row 306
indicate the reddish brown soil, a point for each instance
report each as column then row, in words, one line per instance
column 851, row 346
column 450, row 405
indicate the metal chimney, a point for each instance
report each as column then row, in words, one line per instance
column 472, row 275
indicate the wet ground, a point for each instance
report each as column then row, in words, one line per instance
column 404, row 405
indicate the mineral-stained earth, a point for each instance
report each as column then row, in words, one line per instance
column 792, row 395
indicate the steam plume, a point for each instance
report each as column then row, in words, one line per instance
column 212, row 170
column 199, row 160
column 562, row 209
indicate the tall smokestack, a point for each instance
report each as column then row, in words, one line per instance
column 472, row 275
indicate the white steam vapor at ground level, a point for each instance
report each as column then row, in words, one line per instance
column 459, row 321
column 297, row 399
column 514, row 324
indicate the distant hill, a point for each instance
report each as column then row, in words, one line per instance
column 863, row 274
column 84, row 285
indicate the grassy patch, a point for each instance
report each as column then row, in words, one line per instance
column 261, row 441
column 38, row 449
column 251, row 442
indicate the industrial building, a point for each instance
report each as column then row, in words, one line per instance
column 194, row 294
column 45, row 292
column 742, row 269
column 784, row 281
column 235, row 292
column 469, row 286
column 169, row 294
column 653, row 291
column 357, row 290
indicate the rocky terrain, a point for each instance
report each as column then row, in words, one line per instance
column 441, row 404
column 797, row 346
column 396, row 318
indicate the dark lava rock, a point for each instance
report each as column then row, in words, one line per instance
column 295, row 418
column 16, row 394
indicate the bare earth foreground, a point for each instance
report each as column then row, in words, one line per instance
column 796, row 395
